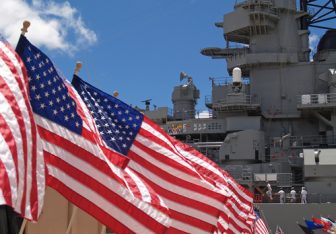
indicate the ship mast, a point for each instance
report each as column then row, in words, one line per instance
column 319, row 13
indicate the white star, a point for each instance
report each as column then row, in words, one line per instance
column 66, row 118
column 38, row 97
column 46, row 94
column 28, row 59
column 51, row 103
column 42, row 105
column 33, row 87
column 55, row 112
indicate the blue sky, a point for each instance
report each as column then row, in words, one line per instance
column 144, row 45
column 136, row 47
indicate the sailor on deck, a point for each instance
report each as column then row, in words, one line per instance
column 303, row 195
column 282, row 195
column 269, row 191
column 293, row 195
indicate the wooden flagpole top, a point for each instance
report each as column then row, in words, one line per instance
column 78, row 67
column 115, row 94
column 25, row 26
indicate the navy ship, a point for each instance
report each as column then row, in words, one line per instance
column 274, row 119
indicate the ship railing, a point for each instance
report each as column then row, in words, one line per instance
column 321, row 197
column 249, row 2
column 321, row 99
column 312, row 141
column 231, row 101
column 226, row 81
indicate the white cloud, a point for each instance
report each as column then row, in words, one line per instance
column 53, row 25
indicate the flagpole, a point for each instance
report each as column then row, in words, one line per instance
column 25, row 27
column 23, row 225
column 74, row 208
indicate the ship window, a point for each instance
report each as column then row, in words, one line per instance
column 227, row 157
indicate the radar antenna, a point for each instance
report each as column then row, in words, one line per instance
column 183, row 76
column 147, row 103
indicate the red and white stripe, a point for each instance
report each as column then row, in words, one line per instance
column 87, row 176
column 22, row 179
column 194, row 203
column 260, row 227
column 237, row 215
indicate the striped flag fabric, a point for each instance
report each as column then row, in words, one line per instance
column 238, row 214
column 92, row 177
column 260, row 226
column 196, row 202
column 22, row 178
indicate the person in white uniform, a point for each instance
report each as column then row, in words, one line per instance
column 282, row 195
column 293, row 195
column 303, row 195
column 269, row 191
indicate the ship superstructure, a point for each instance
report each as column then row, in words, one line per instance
column 276, row 117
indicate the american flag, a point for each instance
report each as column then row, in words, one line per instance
column 22, row 180
column 238, row 214
column 259, row 225
column 87, row 174
column 196, row 202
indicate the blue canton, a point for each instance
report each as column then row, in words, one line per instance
column 48, row 94
column 117, row 122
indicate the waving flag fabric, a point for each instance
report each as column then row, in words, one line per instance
column 238, row 214
column 22, row 180
column 196, row 202
column 260, row 226
column 81, row 169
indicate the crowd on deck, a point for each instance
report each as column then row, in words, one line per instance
column 292, row 197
